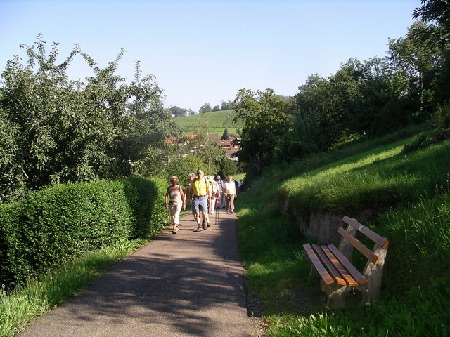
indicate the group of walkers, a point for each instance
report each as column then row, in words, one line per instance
column 205, row 194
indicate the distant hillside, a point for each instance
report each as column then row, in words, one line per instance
column 211, row 122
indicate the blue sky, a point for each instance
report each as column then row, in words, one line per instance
column 204, row 51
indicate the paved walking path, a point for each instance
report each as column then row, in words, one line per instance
column 184, row 284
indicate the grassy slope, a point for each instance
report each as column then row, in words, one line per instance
column 211, row 122
column 417, row 273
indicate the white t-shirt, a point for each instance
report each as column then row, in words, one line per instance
column 230, row 187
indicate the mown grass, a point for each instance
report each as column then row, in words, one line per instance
column 37, row 296
column 209, row 122
column 411, row 193
column 382, row 178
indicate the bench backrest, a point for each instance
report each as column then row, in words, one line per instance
column 373, row 271
column 350, row 241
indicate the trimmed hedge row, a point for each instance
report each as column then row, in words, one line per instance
column 57, row 223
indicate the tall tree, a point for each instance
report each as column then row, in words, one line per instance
column 11, row 176
column 205, row 108
column 78, row 131
column 438, row 12
column 418, row 55
column 176, row 111
column 226, row 134
column 434, row 10
column 265, row 119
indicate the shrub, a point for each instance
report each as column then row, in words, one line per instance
column 55, row 224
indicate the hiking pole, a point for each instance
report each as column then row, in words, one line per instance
column 217, row 210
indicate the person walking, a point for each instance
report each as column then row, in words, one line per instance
column 221, row 197
column 175, row 200
column 191, row 177
column 200, row 192
column 229, row 190
column 214, row 194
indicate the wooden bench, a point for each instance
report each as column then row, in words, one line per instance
column 338, row 275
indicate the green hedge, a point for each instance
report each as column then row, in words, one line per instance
column 57, row 223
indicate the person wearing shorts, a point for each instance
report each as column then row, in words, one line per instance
column 200, row 192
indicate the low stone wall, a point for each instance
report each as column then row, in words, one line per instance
column 321, row 227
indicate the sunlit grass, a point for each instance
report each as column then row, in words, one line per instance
column 377, row 181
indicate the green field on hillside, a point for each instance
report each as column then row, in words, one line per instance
column 209, row 122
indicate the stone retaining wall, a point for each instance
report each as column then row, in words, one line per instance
column 320, row 226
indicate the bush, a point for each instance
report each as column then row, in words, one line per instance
column 55, row 224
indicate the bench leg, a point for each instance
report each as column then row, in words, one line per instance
column 336, row 295
column 371, row 291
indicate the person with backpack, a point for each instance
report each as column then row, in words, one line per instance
column 199, row 198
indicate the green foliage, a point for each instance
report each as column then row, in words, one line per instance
column 146, row 199
column 182, row 166
column 11, row 178
column 415, row 279
column 176, row 111
column 419, row 56
column 227, row 167
column 441, row 120
column 52, row 225
column 434, row 10
column 362, row 100
column 69, row 131
column 265, row 118
column 205, row 108
column 225, row 134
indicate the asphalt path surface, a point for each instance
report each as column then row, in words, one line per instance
column 184, row 284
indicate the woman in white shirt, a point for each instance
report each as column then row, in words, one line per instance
column 229, row 189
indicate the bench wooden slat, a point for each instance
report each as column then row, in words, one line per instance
column 371, row 256
column 349, row 280
column 359, row 278
column 379, row 240
column 331, row 268
column 327, row 279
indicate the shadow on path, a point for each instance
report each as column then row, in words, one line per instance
column 188, row 284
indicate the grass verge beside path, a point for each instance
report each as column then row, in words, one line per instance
column 26, row 303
